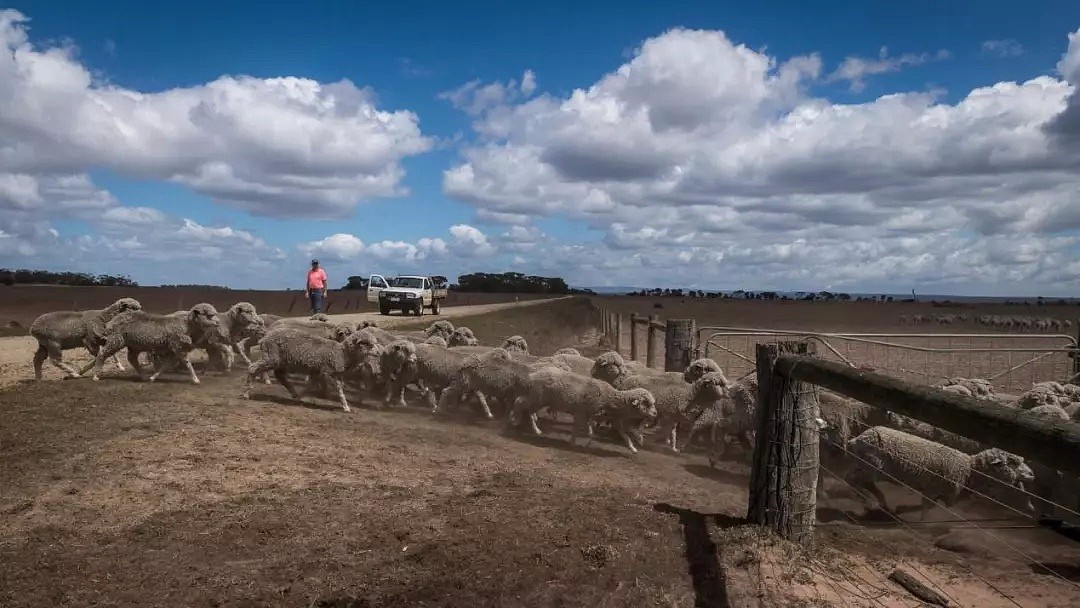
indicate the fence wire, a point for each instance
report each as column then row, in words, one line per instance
column 1011, row 362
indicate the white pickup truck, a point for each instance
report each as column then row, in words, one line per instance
column 406, row 293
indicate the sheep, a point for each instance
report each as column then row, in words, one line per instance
column 495, row 374
column 732, row 417
column 516, row 344
column 63, row 330
column 235, row 325
column 382, row 336
column 698, row 368
column 575, row 363
column 978, row 387
column 397, row 366
column 441, row 328
column 437, row 369
column 585, row 399
column 140, row 331
column 1049, row 393
column 436, row 341
column 938, row 472
column 668, row 388
column 1046, row 478
column 365, row 324
column 462, row 336
column 291, row 349
column 320, row 317
column 567, row 351
column 251, row 338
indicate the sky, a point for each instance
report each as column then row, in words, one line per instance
column 863, row 147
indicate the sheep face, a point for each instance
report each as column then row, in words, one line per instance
column 362, row 349
column 442, row 329
column 340, row 332
column 124, row 305
column 699, row 368
column 203, row 318
column 365, row 324
column 643, row 403
column 609, row 367
column 462, row 336
column 516, row 344
column 398, row 356
column 1003, row 466
column 243, row 313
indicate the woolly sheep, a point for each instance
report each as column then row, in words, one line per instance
column 978, row 387
column 294, row 350
column 320, row 317
column 437, row 368
column 140, row 331
column 516, row 344
column 585, row 399
column 575, row 363
column 495, row 374
column 462, row 336
column 698, row 368
column 567, row 351
column 441, row 328
column 436, row 341
column 938, row 472
column 397, row 365
column 63, row 330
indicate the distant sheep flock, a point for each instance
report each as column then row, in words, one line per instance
column 448, row 368
column 1003, row 322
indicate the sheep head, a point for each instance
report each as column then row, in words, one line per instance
column 202, row 320
column 121, row 306
column 516, row 344
column 340, row 332
column 1002, row 466
column 698, row 368
column 398, row 356
column 365, row 324
column 641, row 402
column 362, row 348
column 442, row 329
column 462, row 336
column 609, row 367
column 320, row 317
column 708, row 389
column 243, row 313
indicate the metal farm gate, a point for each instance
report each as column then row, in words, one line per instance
column 1012, row 362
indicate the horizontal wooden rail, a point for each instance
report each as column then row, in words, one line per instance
column 1054, row 444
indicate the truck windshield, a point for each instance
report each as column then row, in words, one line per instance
column 407, row 282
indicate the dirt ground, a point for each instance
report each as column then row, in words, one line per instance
column 122, row 493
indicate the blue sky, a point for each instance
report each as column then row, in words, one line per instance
column 994, row 215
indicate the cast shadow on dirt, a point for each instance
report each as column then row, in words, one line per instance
column 702, row 559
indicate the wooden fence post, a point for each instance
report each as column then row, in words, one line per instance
column 650, row 342
column 633, row 336
column 783, row 480
column 678, row 344
column 618, row 332
column 1075, row 354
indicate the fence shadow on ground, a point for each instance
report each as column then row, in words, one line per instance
column 702, row 559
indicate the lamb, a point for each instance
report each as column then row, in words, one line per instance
column 58, row 331
column 462, row 336
column 584, row 398
column 291, row 349
column 698, row 368
column 516, row 344
column 171, row 335
column 938, row 472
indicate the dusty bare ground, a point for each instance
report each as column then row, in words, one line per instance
column 126, row 493
column 16, row 352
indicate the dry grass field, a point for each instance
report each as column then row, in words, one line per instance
column 121, row 493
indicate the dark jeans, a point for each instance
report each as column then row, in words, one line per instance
column 316, row 296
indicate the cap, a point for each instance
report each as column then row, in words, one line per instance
column 314, row 261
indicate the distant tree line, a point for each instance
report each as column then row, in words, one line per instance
column 23, row 276
column 510, row 282
column 198, row 286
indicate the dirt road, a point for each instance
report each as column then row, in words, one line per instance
column 16, row 352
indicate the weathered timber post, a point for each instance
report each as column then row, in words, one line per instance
column 618, row 332
column 678, row 344
column 633, row 336
column 1076, row 355
column 783, row 480
column 650, row 341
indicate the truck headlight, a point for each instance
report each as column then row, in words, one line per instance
column 411, row 296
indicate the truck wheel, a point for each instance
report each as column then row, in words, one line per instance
column 384, row 310
column 435, row 307
column 420, row 309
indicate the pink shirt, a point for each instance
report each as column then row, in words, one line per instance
column 316, row 279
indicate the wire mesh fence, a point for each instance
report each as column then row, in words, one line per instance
column 1011, row 362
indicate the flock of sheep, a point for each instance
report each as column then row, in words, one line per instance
column 1004, row 322
column 449, row 369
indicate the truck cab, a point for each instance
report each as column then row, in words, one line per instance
column 410, row 293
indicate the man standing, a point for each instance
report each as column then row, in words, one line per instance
column 316, row 287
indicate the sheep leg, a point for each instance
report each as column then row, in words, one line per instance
column 621, row 427
column 255, row 370
column 673, row 438
column 190, row 368
column 483, row 404
column 40, row 355
column 341, row 393
column 112, row 346
column 395, row 394
column 283, row 377
column 133, row 359
column 56, row 356
column 161, row 364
